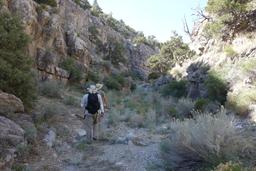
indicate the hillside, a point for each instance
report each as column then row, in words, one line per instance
column 170, row 106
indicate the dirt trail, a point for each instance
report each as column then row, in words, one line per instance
column 121, row 148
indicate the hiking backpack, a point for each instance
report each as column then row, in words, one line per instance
column 93, row 104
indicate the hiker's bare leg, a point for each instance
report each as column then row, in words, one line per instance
column 92, row 133
column 95, row 131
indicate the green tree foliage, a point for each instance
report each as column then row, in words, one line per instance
column 15, row 66
column 150, row 40
column 83, row 4
column 172, row 51
column 217, row 88
column 115, row 82
column 227, row 13
column 47, row 2
column 95, row 39
column 175, row 88
column 116, row 52
column 69, row 64
column 119, row 26
column 96, row 10
column 223, row 7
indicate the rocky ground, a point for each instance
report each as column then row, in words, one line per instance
column 122, row 148
column 62, row 143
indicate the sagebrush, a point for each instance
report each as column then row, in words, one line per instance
column 206, row 141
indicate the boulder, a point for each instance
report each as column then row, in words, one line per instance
column 50, row 138
column 252, row 112
column 10, row 103
column 11, row 135
column 81, row 132
column 138, row 56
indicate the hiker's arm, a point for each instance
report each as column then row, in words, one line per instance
column 84, row 101
column 101, row 103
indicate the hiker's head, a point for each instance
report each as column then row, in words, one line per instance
column 92, row 89
column 99, row 86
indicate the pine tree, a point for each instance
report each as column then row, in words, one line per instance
column 85, row 4
column 15, row 66
column 96, row 10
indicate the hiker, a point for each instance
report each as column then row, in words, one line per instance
column 93, row 109
column 103, row 95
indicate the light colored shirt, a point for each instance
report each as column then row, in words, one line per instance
column 84, row 102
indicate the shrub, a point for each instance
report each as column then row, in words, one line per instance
column 50, row 89
column 116, row 54
column 221, row 7
column 217, row 87
column 51, row 111
column 229, row 166
column 112, row 84
column 133, row 86
column 172, row 51
column 70, row 65
column 136, row 121
column 229, row 51
column 52, row 3
column 150, row 119
column 15, row 66
column 93, row 30
column 206, row 141
column 228, row 13
column 19, row 167
column 150, row 40
column 93, row 76
column 113, row 117
column 85, row 4
column 153, row 76
column 81, row 146
column 240, row 101
column 25, row 151
column 115, row 82
column 248, row 65
column 184, row 108
column 173, row 113
column 200, row 104
column 140, row 38
column 177, row 72
column 94, row 38
column 212, row 30
column 30, row 134
column 70, row 100
column 175, row 88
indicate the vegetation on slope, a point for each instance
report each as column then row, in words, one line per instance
column 172, row 51
column 229, row 17
column 15, row 66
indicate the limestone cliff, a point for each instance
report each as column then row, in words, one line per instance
column 69, row 31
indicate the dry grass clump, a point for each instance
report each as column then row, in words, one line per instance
column 206, row 141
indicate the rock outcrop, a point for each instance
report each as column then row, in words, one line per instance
column 10, row 103
column 64, row 31
column 11, row 136
column 231, row 62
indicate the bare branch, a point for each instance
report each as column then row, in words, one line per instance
column 198, row 12
column 186, row 28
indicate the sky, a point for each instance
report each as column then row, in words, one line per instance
column 154, row 17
